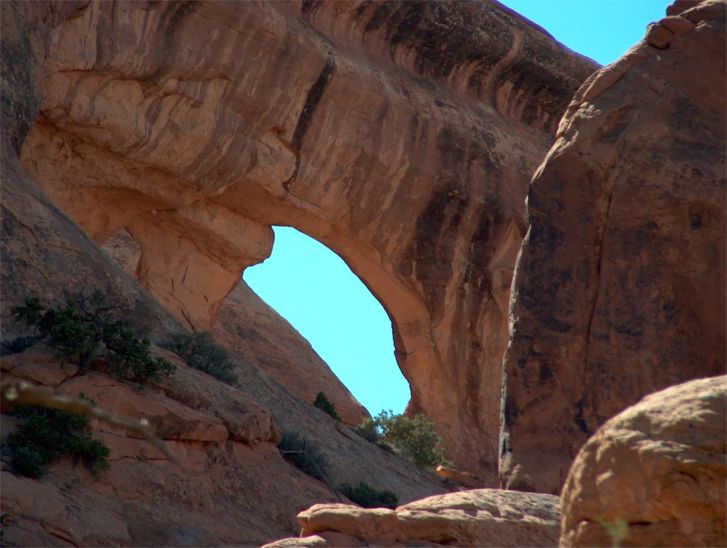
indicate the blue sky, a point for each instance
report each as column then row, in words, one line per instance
column 317, row 293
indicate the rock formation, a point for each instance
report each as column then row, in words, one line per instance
column 620, row 285
column 660, row 467
column 255, row 332
column 403, row 136
column 230, row 484
column 479, row 517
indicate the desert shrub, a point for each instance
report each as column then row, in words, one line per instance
column 44, row 435
column 413, row 438
column 304, row 455
column 366, row 496
column 201, row 352
column 367, row 430
column 324, row 404
column 89, row 326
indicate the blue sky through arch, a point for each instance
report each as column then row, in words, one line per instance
column 313, row 288
column 317, row 293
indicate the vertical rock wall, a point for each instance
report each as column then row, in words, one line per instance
column 620, row 286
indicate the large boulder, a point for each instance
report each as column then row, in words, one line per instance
column 479, row 517
column 658, row 471
column 620, row 287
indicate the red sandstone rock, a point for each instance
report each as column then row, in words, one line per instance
column 256, row 333
column 480, row 517
column 660, row 467
column 403, row 136
column 620, row 285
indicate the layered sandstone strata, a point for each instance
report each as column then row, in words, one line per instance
column 401, row 135
column 479, row 517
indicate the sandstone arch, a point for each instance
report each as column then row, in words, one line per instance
column 338, row 119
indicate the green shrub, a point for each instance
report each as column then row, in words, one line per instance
column 413, row 438
column 89, row 326
column 366, row 496
column 324, row 404
column 368, row 431
column 201, row 352
column 304, row 455
column 44, row 435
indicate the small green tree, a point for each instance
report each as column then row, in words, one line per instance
column 324, row 404
column 90, row 326
column 201, row 352
column 44, row 435
column 413, row 438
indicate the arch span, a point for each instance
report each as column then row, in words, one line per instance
column 414, row 173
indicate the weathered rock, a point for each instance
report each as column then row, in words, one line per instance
column 259, row 335
column 620, row 285
column 213, row 496
column 480, row 517
column 402, row 136
column 660, row 466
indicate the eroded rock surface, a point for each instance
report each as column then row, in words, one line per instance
column 480, row 517
column 230, row 484
column 620, row 286
column 660, row 466
column 254, row 331
column 401, row 135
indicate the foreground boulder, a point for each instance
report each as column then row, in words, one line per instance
column 660, row 467
column 480, row 517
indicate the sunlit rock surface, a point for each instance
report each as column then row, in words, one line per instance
column 403, row 136
column 479, row 517
column 660, row 467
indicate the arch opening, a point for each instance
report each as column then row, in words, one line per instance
column 315, row 290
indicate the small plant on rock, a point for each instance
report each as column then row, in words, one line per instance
column 366, row 496
column 412, row 438
column 368, row 431
column 90, row 326
column 44, row 435
column 324, row 404
column 304, row 455
column 201, row 352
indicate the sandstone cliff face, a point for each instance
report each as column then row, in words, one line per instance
column 620, row 286
column 222, row 438
column 660, row 467
column 402, row 135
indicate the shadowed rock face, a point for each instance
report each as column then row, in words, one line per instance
column 620, row 286
column 401, row 135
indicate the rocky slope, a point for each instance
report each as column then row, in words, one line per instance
column 257, row 334
column 401, row 135
column 660, row 467
column 620, row 285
